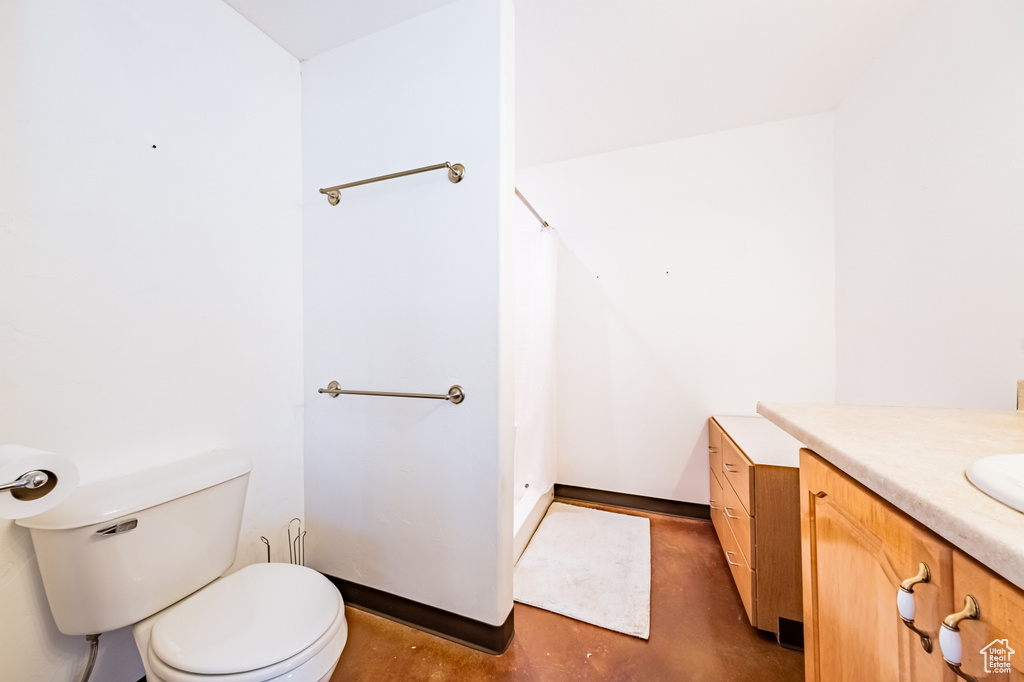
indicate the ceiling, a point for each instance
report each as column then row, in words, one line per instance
column 597, row 75
column 305, row 28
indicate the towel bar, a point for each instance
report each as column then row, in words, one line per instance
column 454, row 395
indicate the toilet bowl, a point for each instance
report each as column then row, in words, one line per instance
column 266, row 622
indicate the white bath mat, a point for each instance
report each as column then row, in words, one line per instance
column 590, row 565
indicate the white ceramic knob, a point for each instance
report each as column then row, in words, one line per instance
column 949, row 643
column 905, row 604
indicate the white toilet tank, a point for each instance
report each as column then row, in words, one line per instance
column 122, row 549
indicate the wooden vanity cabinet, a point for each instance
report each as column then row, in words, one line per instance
column 756, row 514
column 857, row 549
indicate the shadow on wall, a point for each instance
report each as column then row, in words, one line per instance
column 622, row 404
column 645, row 357
column 696, row 464
column 583, row 374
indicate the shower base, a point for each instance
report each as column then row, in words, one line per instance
column 529, row 510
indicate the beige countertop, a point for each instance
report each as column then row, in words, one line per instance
column 763, row 442
column 915, row 458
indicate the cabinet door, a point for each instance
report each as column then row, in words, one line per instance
column 856, row 550
column 992, row 645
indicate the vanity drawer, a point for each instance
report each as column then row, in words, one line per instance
column 740, row 522
column 715, row 438
column 717, row 514
column 742, row 574
column 738, row 472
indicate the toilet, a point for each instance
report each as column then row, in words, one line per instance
column 148, row 549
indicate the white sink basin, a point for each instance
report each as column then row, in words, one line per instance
column 1002, row 477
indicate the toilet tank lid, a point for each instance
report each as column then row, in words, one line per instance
column 114, row 497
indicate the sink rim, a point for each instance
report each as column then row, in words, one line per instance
column 1001, row 477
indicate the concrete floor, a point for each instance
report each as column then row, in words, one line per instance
column 699, row 632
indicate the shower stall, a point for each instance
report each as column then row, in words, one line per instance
column 536, row 262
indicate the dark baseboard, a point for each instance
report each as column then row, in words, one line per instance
column 657, row 505
column 491, row 639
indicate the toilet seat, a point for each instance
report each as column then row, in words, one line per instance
column 261, row 623
column 312, row 665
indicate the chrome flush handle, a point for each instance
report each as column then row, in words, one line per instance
column 119, row 528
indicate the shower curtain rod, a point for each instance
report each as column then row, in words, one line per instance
column 536, row 215
column 456, row 171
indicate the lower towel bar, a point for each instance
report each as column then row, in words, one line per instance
column 454, row 395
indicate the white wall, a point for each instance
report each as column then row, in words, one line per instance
column 929, row 238
column 150, row 298
column 406, row 289
column 696, row 277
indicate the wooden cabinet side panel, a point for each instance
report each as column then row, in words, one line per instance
column 856, row 551
column 810, row 476
column 777, row 546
